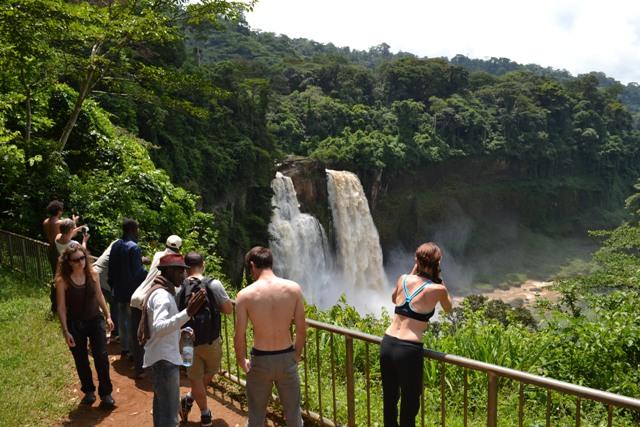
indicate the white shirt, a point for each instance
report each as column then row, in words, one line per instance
column 137, row 299
column 62, row 246
column 101, row 265
column 164, row 327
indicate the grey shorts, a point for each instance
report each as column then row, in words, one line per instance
column 281, row 370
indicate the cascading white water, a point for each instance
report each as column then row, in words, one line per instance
column 299, row 244
column 359, row 256
column 302, row 253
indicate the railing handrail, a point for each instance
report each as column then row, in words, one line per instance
column 20, row 236
column 565, row 387
column 491, row 370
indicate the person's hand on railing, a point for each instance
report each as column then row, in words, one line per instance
column 245, row 365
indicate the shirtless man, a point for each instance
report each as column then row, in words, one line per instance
column 271, row 304
column 51, row 228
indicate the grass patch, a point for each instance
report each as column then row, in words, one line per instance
column 36, row 368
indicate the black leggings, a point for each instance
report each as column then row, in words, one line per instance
column 401, row 369
column 92, row 330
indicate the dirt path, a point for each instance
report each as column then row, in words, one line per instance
column 134, row 401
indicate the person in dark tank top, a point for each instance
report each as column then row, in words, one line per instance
column 79, row 301
column 415, row 296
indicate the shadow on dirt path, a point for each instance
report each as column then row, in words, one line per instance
column 134, row 401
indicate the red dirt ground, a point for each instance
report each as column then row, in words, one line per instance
column 134, row 401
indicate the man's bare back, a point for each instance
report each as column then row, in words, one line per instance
column 51, row 228
column 272, row 304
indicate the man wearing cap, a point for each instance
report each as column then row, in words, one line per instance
column 160, row 332
column 172, row 246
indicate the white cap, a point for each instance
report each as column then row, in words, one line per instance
column 174, row 242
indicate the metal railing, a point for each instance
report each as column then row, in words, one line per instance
column 356, row 345
column 338, row 363
column 25, row 255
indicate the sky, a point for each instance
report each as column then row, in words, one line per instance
column 576, row 35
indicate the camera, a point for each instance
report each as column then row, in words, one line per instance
column 84, row 229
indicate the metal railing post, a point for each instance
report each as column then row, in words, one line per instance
column 10, row 252
column 492, row 401
column 443, row 403
column 2, row 235
column 24, row 259
column 351, row 395
column 39, row 271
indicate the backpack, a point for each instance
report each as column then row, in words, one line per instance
column 206, row 322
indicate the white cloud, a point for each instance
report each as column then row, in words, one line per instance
column 577, row 35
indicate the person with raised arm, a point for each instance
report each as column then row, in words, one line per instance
column 271, row 304
column 159, row 331
column 401, row 352
column 50, row 229
column 172, row 246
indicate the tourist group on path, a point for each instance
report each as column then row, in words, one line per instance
column 154, row 311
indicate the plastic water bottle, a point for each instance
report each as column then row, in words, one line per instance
column 187, row 348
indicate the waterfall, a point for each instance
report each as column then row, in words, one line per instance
column 299, row 244
column 359, row 256
column 302, row 253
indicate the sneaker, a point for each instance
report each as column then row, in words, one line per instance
column 88, row 399
column 206, row 419
column 107, row 402
column 185, row 408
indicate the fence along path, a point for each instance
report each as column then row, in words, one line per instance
column 337, row 385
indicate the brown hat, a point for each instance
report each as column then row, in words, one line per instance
column 172, row 261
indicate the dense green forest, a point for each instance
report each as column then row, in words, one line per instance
column 375, row 111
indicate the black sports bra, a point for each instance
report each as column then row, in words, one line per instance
column 405, row 308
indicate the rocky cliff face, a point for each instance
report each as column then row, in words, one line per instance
column 483, row 196
column 310, row 181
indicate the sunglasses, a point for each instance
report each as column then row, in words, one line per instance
column 79, row 259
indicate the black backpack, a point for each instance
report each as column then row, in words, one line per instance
column 206, row 322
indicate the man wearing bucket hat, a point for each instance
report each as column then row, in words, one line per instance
column 172, row 246
column 159, row 331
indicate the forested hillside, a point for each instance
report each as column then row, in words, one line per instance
column 376, row 111
column 95, row 98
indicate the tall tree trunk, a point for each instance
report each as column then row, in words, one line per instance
column 27, row 130
column 29, row 119
column 68, row 127
column 85, row 88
